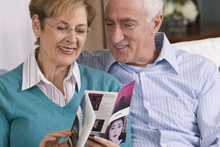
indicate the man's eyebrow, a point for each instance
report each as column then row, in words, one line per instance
column 107, row 19
column 128, row 20
column 122, row 20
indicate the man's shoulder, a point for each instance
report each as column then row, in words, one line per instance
column 96, row 53
column 196, row 64
column 184, row 56
column 95, row 73
column 96, row 59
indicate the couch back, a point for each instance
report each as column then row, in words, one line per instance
column 209, row 48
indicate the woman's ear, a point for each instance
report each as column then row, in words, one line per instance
column 157, row 21
column 36, row 25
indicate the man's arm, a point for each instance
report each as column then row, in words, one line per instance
column 208, row 111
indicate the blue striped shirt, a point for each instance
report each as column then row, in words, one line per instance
column 176, row 100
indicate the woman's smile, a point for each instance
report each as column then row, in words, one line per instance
column 66, row 50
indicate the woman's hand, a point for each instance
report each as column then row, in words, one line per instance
column 52, row 139
column 101, row 142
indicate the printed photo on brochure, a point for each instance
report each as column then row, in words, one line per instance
column 106, row 116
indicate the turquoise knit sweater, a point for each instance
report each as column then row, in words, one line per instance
column 27, row 116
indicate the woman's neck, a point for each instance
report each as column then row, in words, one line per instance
column 52, row 72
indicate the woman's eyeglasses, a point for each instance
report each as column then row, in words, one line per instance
column 64, row 30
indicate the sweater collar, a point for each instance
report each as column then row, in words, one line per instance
column 32, row 75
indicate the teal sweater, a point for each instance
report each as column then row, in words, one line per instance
column 27, row 116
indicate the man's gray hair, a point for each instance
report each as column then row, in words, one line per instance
column 152, row 8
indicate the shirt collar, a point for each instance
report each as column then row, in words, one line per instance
column 162, row 43
column 167, row 51
column 32, row 74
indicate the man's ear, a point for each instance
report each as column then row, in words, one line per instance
column 157, row 21
column 36, row 25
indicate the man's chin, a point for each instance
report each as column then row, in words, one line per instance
column 120, row 58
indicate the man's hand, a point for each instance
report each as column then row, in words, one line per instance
column 52, row 139
column 101, row 142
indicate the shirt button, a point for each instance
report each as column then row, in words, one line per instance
column 65, row 97
column 164, row 145
column 153, row 127
column 147, row 104
column 143, row 73
column 119, row 63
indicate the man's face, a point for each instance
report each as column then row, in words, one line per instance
column 130, row 36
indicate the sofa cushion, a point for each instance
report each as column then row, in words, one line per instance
column 209, row 48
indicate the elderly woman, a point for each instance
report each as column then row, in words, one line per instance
column 42, row 95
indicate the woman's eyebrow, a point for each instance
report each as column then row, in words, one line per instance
column 113, row 126
column 62, row 22
column 66, row 23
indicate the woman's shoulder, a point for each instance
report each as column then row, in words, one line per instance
column 11, row 77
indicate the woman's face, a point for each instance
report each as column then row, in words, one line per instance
column 115, row 130
column 61, row 47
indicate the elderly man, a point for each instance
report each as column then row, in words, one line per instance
column 176, row 99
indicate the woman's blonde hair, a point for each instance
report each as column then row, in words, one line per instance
column 53, row 8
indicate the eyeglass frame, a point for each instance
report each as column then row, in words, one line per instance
column 69, row 29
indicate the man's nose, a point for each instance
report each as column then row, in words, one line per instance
column 117, row 34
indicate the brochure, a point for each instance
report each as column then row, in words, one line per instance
column 106, row 116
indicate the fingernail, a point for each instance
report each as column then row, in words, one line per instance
column 95, row 137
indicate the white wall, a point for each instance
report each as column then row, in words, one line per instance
column 16, row 36
column 17, row 39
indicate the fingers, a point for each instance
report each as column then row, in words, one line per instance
column 59, row 134
column 53, row 138
column 90, row 143
column 101, row 142
column 64, row 144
